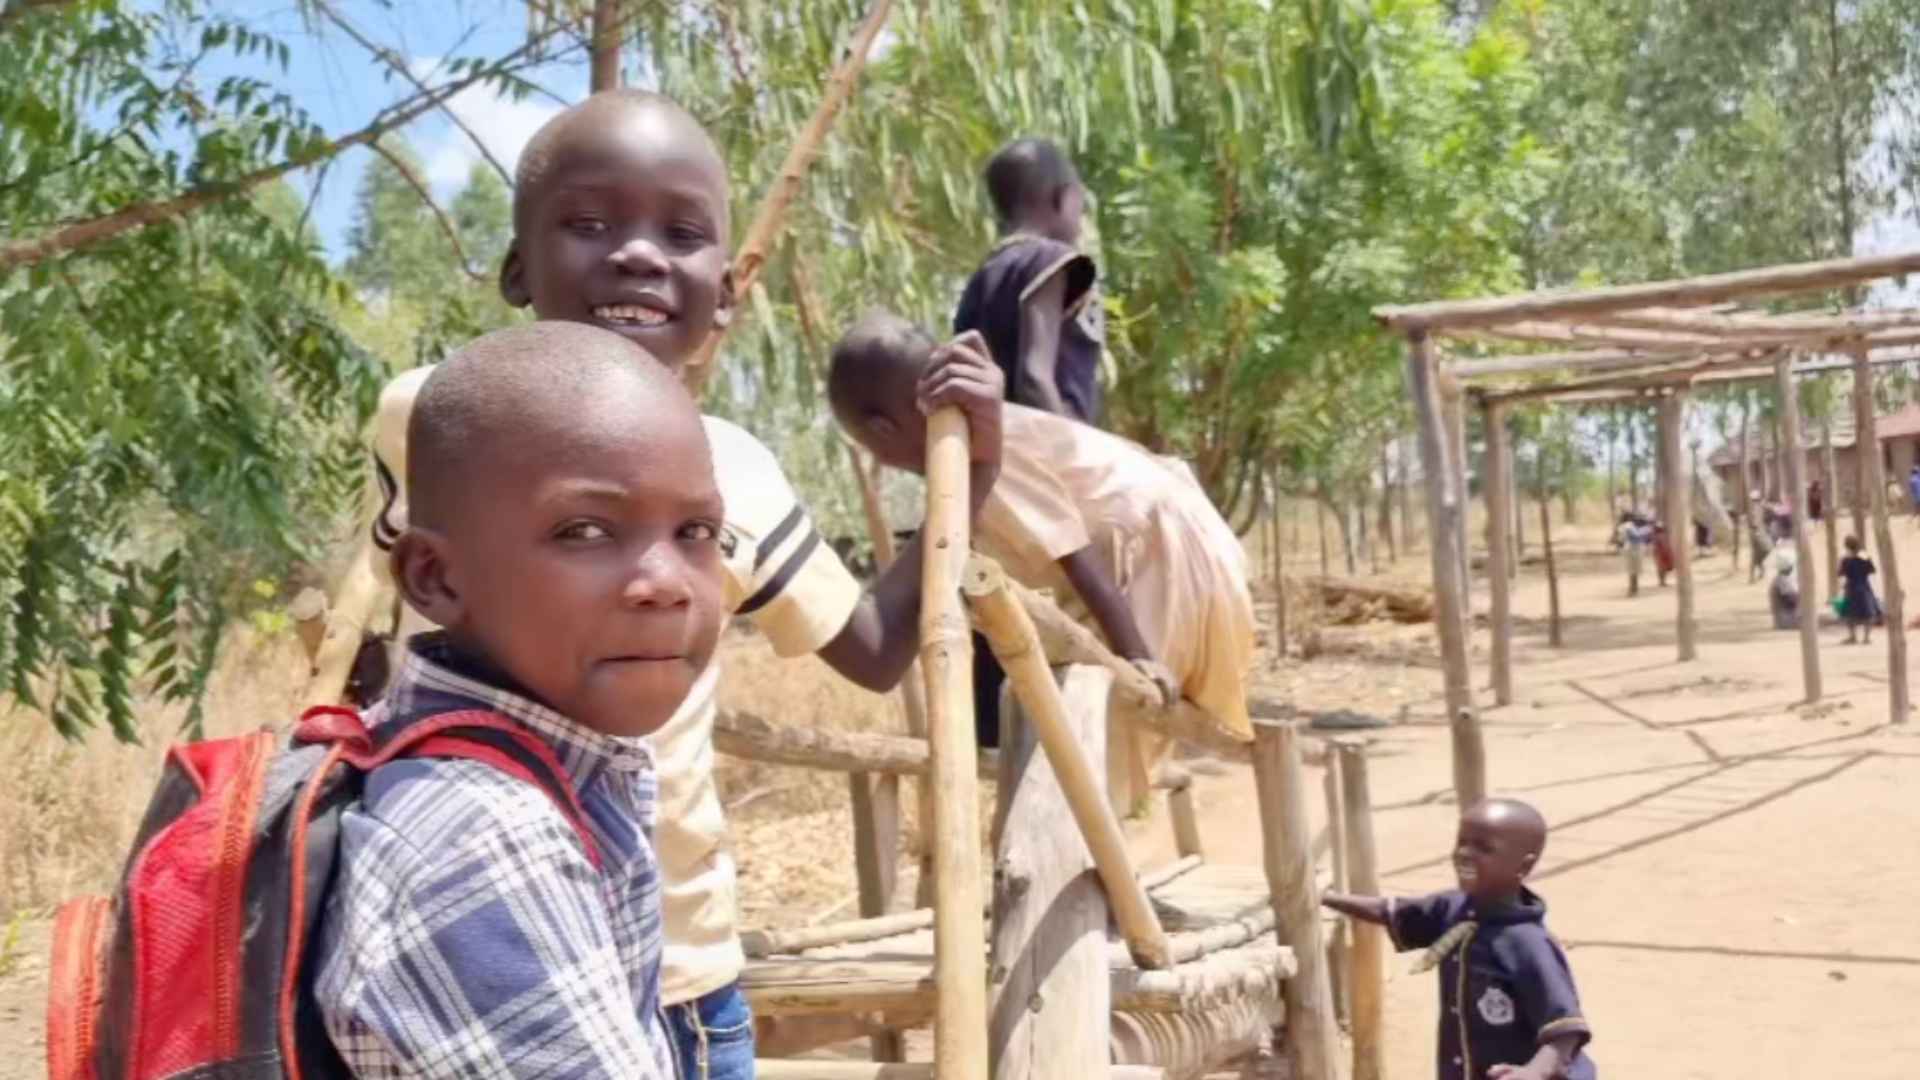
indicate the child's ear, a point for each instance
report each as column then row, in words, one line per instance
column 420, row 572
column 723, row 310
column 513, row 278
column 1526, row 863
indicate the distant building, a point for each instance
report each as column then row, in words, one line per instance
column 1899, row 433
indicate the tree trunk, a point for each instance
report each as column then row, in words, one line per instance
column 1278, row 557
column 1633, row 463
column 1613, row 485
column 1796, row 469
column 1519, row 513
column 1341, row 515
column 1386, row 503
column 1320, row 526
column 1406, row 496
column 605, row 49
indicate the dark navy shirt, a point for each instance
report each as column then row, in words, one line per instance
column 1504, row 992
column 1016, row 267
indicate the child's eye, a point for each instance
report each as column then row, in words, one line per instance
column 704, row 532
column 587, row 225
column 581, row 532
column 687, row 235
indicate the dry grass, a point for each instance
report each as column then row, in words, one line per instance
column 69, row 812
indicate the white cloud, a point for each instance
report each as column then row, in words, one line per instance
column 503, row 124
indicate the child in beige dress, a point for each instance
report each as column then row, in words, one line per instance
column 1126, row 541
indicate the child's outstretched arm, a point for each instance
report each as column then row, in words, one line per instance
column 1102, row 597
column 1041, row 315
column 879, row 639
column 1371, row 909
column 1547, row 1063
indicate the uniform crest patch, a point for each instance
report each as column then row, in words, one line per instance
column 1496, row 1007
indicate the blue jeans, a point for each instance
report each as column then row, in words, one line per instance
column 713, row 1036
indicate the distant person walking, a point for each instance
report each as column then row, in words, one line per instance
column 1913, row 491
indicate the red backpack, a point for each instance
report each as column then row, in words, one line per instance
column 197, row 965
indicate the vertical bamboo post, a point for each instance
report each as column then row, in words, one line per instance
column 1311, row 1036
column 1366, row 983
column 876, row 842
column 1453, row 408
column 1678, row 510
column 946, row 648
column 1553, row 575
column 1863, row 470
column 1051, row 993
column 1830, row 513
column 1867, row 442
column 1796, row 485
column 1339, row 980
column 1499, row 490
column 1185, row 819
column 1445, row 510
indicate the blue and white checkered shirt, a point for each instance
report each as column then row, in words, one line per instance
column 467, row 933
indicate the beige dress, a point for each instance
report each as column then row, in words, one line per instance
column 1065, row 486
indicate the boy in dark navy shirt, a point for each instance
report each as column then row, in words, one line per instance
column 1034, row 298
column 1508, row 1008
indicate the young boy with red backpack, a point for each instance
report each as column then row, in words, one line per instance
column 464, row 885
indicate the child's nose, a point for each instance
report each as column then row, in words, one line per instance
column 660, row 578
column 640, row 255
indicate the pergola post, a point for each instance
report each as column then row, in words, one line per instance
column 1453, row 408
column 1444, row 513
column 1830, row 512
column 1677, row 509
column 1796, row 493
column 1867, row 444
column 1499, row 491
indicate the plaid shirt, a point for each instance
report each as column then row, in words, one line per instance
column 466, row 933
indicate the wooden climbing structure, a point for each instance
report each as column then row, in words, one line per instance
column 1653, row 343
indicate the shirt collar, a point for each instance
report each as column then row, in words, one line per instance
column 1529, row 908
column 437, row 677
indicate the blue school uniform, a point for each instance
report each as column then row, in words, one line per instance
column 1018, row 265
column 1505, row 989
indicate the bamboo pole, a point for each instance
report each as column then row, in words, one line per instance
column 1365, row 981
column 1311, row 1035
column 1868, row 439
column 1444, row 512
column 946, row 648
column 756, row 244
column 1770, row 281
column 1498, row 485
column 1553, row 575
column 1829, row 513
column 1186, row 821
column 1677, row 509
column 1863, row 415
column 1340, row 942
column 1453, row 407
column 1796, row 484
column 1017, row 646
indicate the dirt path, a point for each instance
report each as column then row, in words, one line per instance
column 1730, row 871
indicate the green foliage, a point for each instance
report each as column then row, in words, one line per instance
column 177, row 407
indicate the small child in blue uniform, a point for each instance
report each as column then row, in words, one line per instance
column 1508, row 1008
column 1859, row 607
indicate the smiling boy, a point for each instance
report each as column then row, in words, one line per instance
column 621, row 222
column 1508, row 1007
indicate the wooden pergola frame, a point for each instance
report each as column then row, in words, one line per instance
column 1652, row 341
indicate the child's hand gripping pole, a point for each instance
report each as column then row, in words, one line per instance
column 959, row 935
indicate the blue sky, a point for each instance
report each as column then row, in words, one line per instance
column 342, row 87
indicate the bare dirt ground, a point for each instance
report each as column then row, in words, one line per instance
column 1729, row 869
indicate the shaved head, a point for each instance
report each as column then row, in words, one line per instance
column 596, row 115
column 878, row 358
column 1515, row 819
column 519, row 391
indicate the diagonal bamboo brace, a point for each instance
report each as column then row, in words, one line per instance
column 1016, row 644
column 946, row 660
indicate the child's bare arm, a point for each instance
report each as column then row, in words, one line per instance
column 877, row 643
column 1371, row 909
column 1102, row 597
column 1041, row 315
column 1547, row 1063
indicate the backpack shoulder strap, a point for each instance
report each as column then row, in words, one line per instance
column 467, row 735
